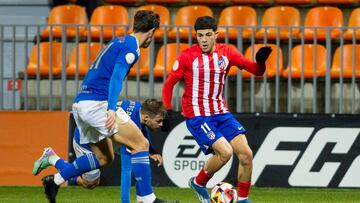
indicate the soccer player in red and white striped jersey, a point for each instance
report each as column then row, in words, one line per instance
column 203, row 68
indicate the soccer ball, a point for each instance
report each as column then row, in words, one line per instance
column 223, row 193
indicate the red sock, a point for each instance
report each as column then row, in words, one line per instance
column 202, row 178
column 243, row 189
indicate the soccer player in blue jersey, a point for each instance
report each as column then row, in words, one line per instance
column 95, row 113
column 148, row 115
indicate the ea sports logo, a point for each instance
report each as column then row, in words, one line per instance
column 183, row 158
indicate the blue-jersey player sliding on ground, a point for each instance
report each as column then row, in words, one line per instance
column 148, row 115
column 99, row 121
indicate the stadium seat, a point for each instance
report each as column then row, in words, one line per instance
column 84, row 62
column 172, row 52
column 162, row 1
column 309, row 58
column 186, row 16
column 293, row 1
column 280, row 16
column 237, row 16
column 337, row 1
column 207, row 1
column 108, row 16
column 123, row 1
column 65, row 14
column 354, row 21
column 347, row 61
column 323, row 16
column 164, row 17
column 270, row 62
column 144, row 62
column 45, row 55
column 250, row 1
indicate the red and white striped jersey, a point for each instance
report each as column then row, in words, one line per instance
column 204, row 76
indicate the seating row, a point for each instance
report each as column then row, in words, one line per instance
column 309, row 57
column 113, row 20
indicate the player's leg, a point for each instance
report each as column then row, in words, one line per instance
column 245, row 156
column 125, row 183
column 234, row 132
column 206, row 134
column 48, row 158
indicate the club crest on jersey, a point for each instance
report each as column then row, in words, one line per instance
column 210, row 135
column 222, row 63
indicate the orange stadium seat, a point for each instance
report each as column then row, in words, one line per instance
column 323, row 16
column 237, row 16
column 293, row 1
column 250, row 1
column 65, row 14
column 186, row 16
column 84, row 62
column 309, row 57
column 162, row 1
column 108, row 16
column 207, row 1
column 172, row 52
column 164, row 17
column 280, row 16
column 354, row 21
column 337, row 1
column 347, row 61
column 45, row 55
column 270, row 62
column 143, row 64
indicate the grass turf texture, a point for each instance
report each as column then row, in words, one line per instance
column 111, row 195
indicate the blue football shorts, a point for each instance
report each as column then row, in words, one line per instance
column 207, row 129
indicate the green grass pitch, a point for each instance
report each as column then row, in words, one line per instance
column 111, row 195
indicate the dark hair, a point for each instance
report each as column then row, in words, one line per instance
column 153, row 107
column 145, row 20
column 205, row 22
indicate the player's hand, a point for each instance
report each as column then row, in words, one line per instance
column 158, row 158
column 263, row 54
column 111, row 120
column 168, row 123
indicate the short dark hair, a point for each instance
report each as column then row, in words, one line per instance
column 153, row 107
column 205, row 22
column 145, row 20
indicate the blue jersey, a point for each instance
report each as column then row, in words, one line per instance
column 132, row 108
column 103, row 82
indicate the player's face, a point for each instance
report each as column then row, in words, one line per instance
column 149, row 38
column 154, row 123
column 206, row 39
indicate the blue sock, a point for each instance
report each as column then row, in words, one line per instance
column 73, row 180
column 61, row 164
column 142, row 172
column 81, row 165
column 125, row 177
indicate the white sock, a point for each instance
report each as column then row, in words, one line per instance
column 242, row 198
column 146, row 199
column 53, row 159
column 58, row 179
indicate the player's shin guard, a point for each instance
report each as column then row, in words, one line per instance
column 142, row 172
column 125, row 177
column 81, row 165
column 243, row 189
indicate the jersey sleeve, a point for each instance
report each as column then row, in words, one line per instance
column 123, row 63
column 176, row 74
column 239, row 60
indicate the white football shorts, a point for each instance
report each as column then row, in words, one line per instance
column 90, row 117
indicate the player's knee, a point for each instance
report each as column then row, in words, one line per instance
column 246, row 157
column 225, row 155
column 105, row 160
column 142, row 145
